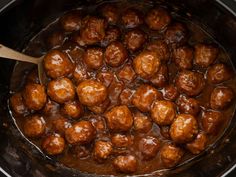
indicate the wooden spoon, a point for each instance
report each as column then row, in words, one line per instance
column 8, row 53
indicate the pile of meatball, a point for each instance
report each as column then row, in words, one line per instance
column 109, row 81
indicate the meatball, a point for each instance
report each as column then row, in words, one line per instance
column 93, row 58
column 146, row 64
column 51, row 108
column 125, row 164
column 91, row 92
column 102, row 150
column 61, row 90
column 115, row 54
column 53, row 144
column 149, row 147
column 81, row 132
column 170, row 155
column 112, row 34
column 110, row 12
column 60, row 125
column 170, row 92
column 219, row 73
column 126, row 73
column 105, row 77
column 190, row 82
column 142, row 123
column 55, row 39
column 188, row 105
column 184, row 128
column 160, row 79
column 34, row 96
column 115, row 90
column 119, row 119
column 205, row 54
column 134, row 39
column 158, row 19
column 71, row 21
column 101, row 108
column 144, row 97
column 99, row 123
column 57, row 64
column 17, row 104
column 221, row 97
column 163, row 112
column 131, row 18
column 121, row 141
column 73, row 109
column 183, row 57
column 198, row 144
column 126, row 96
column 80, row 73
column 212, row 122
column 34, row 126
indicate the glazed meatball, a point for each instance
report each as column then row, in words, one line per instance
column 60, row 125
column 34, row 126
column 61, row 90
column 73, row 109
column 101, row 108
column 221, row 97
column 219, row 73
column 119, row 119
column 93, row 58
column 134, row 39
column 171, row 155
column 71, row 21
column 126, row 96
column 146, row 64
column 163, row 112
column 144, row 96
column 115, row 54
column 158, row 19
column 114, row 91
column 34, row 96
column 99, row 123
column 112, row 34
column 188, row 105
column 170, row 92
column 56, row 38
column 80, row 73
column 198, row 144
column 183, row 57
column 142, row 123
column 131, row 18
column 102, row 150
column 57, row 64
column 126, row 73
column 125, row 164
column 211, row 122
column 51, row 107
column 105, row 77
column 110, row 12
column 17, row 104
column 160, row 79
column 53, row 144
column 121, row 141
column 165, row 131
column 190, row 82
column 81, row 132
column 205, row 54
column 91, row 92
column 184, row 128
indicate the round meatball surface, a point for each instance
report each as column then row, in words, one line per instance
column 125, row 164
column 110, row 12
column 112, row 34
column 160, row 79
column 60, row 125
column 53, row 144
column 102, row 150
column 93, row 58
column 183, row 57
column 71, row 21
column 198, row 144
column 132, row 18
column 170, row 92
column 134, row 39
column 188, row 105
column 17, row 104
column 142, row 123
column 121, row 140
column 126, row 96
column 184, row 128
column 34, row 126
column 126, row 74
column 80, row 73
column 73, row 109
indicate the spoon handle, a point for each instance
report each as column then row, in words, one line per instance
column 8, row 53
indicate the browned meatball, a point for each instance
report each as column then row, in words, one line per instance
column 57, row 64
column 120, row 140
column 170, row 155
column 146, row 64
column 184, row 128
column 188, row 105
column 91, row 92
column 17, row 104
column 190, row 82
column 205, row 54
column 105, row 77
column 125, row 164
column 60, row 125
column 165, row 131
column 115, row 54
column 158, row 18
column 110, row 12
column 160, row 79
column 114, row 91
column 80, row 73
column 149, row 147
column 144, row 97
column 101, row 108
column 71, row 21
column 170, row 92
column 73, row 109
column 102, row 150
column 51, row 107
column 219, row 73
column 183, row 57
column 112, row 34
column 176, row 34
column 134, row 39
column 221, row 97
column 126, row 73
column 55, row 39
column 132, row 18
column 126, row 96
column 61, row 90
column 142, row 123
column 198, row 144
column 93, row 58
column 81, row 132
column 163, row 112
column 211, row 121
column 99, row 123
column 34, row 96
column 53, row 144
column 119, row 119
column 34, row 126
